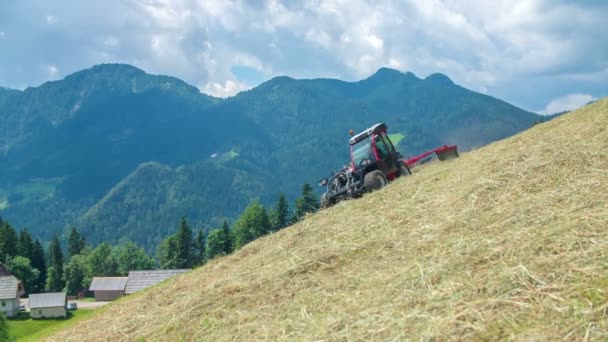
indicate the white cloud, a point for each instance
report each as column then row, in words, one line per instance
column 374, row 41
column 394, row 63
column 52, row 71
column 111, row 42
column 566, row 103
column 319, row 37
column 50, row 19
column 244, row 59
column 528, row 50
column 229, row 88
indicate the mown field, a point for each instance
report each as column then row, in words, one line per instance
column 508, row 242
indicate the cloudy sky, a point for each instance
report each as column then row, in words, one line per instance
column 541, row 55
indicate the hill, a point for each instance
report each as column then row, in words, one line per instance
column 67, row 147
column 169, row 195
column 507, row 242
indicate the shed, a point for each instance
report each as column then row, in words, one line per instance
column 11, row 290
column 139, row 280
column 108, row 288
column 48, row 305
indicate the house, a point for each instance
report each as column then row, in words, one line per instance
column 11, row 290
column 48, row 305
column 108, row 288
column 139, row 280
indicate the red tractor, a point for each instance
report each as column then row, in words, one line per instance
column 373, row 163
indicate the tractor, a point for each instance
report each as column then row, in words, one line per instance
column 374, row 162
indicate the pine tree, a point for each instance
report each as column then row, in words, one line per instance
column 252, row 224
column 200, row 244
column 54, row 282
column 39, row 264
column 306, row 203
column 185, row 245
column 279, row 218
column 215, row 244
column 228, row 238
column 75, row 242
column 166, row 252
column 219, row 242
column 74, row 273
column 8, row 241
column 26, row 244
column 56, row 260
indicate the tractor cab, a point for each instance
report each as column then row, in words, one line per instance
column 372, row 149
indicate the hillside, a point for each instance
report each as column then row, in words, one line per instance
column 169, row 194
column 67, row 146
column 509, row 241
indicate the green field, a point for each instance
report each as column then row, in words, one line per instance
column 27, row 192
column 27, row 329
column 35, row 189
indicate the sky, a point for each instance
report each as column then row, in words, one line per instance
column 544, row 56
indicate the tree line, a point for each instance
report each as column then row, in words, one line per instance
column 53, row 271
column 184, row 249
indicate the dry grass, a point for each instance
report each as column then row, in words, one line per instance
column 507, row 242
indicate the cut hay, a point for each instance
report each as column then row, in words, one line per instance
column 507, row 242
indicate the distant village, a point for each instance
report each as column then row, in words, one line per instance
column 14, row 299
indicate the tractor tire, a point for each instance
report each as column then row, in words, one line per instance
column 374, row 180
column 404, row 170
column 325, row 201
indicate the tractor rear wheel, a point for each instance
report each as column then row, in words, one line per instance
column 374, row 181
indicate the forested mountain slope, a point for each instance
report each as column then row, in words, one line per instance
column 506, row 242
column 72, row 151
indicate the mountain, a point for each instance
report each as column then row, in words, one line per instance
column 161, row 194
column 72, row 141
column 83, row 150
column 507, row 242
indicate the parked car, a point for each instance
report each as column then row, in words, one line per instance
column 21, row 306
column 72, row 306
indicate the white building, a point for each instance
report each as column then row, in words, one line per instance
column 11, row 291
column 48, row 305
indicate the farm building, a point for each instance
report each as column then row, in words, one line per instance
column 48, row 305
column 139, row 280
column 11, row 290
column 108, row 288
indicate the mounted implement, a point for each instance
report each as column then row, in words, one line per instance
column 440, row 153
column 373, row 163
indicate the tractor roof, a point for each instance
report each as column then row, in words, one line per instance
column 377, row 128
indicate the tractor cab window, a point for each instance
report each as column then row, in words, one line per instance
column 362, row 152
column 381, row 146
column 385, row 150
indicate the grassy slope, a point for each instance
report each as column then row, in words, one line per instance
column 508, row 241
